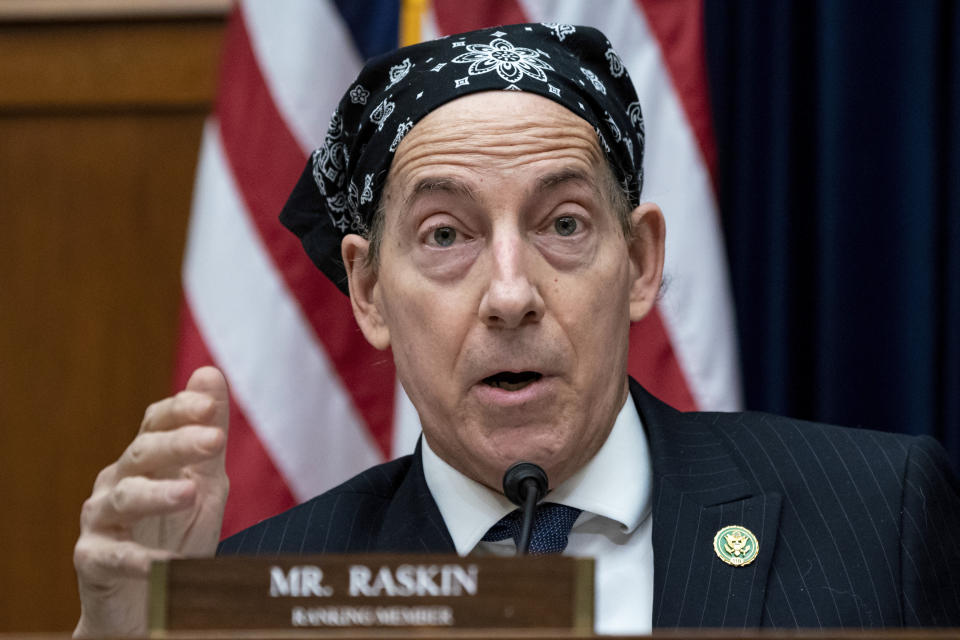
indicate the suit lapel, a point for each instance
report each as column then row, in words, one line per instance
column 699, row 488
column 412, row 522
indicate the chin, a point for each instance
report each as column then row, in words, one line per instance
column 542, row 447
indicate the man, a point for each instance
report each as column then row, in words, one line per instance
column 478, row 197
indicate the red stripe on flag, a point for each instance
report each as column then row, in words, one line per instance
column 454, row 16
column 257, row 489
column 653, row 361
column 654, row 364
column 253, row 131
column 678, row 27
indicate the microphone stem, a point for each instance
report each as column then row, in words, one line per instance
column 529, row 489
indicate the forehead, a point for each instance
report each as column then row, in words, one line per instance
column 496, row 131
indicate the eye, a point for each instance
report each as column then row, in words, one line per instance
column 444, row 236
column 565, row 225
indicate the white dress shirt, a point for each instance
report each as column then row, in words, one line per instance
column 614, row 492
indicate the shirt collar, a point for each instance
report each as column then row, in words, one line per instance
column 615, row 483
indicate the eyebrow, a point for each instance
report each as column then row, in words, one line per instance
column 564, row 176
column 453, row 186
column 444, row 184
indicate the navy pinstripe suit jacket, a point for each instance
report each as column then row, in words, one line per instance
column 856, row 528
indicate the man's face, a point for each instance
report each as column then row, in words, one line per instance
column 505, row 286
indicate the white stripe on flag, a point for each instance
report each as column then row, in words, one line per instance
column 406, row 424
column 308, row 59
column 278, row 373
column 428, row 26
column 697, row 309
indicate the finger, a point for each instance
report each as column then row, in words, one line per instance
column 133, row 499
column 186, row 407
column 155, row 453
column 210, row 381
column 100, row 560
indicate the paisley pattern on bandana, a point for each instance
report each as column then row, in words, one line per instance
column 511, row 63
column 633, row 112
column 382, row 113
column 402, row 130
column 575, row 66
column 359, row 95
column 616, row 64
column 561, row 31
column 592, row 77
column 367, row 194
column 614, row 129
column 399, row 72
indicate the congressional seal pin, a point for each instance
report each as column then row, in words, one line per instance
column 736, row 545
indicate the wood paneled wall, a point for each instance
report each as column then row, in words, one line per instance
column 100, row 123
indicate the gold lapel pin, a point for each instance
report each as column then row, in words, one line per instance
column 736, row 545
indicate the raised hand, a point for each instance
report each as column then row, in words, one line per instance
column 163, row 498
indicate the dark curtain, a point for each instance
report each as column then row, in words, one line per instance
column 374, row 24
column 838, row 135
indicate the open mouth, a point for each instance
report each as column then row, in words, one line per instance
column 512, row 381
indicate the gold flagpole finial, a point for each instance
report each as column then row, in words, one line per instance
column 411, row 20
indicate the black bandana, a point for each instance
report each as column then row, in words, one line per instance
column 575, row 66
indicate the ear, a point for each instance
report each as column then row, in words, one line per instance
column 646, row 255
column 362, row 281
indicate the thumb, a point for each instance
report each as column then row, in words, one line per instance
column 211, row 381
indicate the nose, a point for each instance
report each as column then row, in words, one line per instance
column 512, row 298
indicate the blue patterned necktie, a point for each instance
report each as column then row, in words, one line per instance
column 551, row 526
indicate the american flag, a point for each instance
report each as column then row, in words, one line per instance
column 312, row 402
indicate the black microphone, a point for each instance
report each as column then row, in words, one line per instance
column 524, row 484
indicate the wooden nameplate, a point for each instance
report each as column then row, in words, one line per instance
column 382, row 591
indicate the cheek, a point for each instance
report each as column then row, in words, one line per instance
column 409, row 321
column 426, row 327
column 595, row 311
